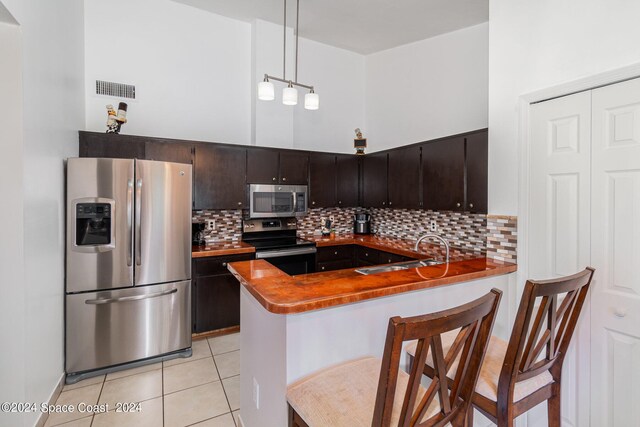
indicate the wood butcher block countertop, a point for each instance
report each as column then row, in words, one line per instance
column 280, row 293
column 222, row 248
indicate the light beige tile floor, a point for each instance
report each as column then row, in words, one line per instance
column 202, row 390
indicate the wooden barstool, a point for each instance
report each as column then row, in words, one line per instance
column 526, row 371
column 372, row 392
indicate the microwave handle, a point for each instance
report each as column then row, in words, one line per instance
column 294, row 195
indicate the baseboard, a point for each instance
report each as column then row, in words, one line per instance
column 42, row 419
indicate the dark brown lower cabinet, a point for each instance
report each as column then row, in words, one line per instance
column 215, row 297
column 367, row 256
column 331, row 258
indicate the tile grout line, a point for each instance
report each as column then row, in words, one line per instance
column 162, row 366
column 220, row 376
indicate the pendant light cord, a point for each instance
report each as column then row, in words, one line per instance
column 297, row 26
column 284, row 43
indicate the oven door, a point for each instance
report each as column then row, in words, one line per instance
column 292, row 261
column 268, row 201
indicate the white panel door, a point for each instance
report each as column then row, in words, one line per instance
column 615, row 339
column 559, row 204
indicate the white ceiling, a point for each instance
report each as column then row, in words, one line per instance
column 363, row 26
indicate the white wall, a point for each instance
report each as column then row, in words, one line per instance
column 338, row 78
column 53, row 111
column 12, row 289
column 427, row 89
column 191, row 69
column 535, row 45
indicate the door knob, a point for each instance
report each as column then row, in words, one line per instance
column 620, row 312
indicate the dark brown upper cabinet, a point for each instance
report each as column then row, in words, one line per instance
column 477, row 171
column 164, row 151
column 94, row 144
column 322, row 180
column 294, row 167
column 273, row 166
column 262, row 165
column 219, row 173
column 374, row 180
column 404, row 178
column 347, row 178
column 443, row 174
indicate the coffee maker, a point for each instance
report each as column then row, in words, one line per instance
column 197, row 234
column 362, row 223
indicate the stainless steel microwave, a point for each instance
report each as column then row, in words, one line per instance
column 267, row 200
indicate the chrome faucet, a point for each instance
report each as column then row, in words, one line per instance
column 435, row 236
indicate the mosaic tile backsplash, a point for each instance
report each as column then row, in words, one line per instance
column 502, row 237
column 496, row 236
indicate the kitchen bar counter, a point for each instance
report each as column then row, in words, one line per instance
column 222, row 248
column 280, row 293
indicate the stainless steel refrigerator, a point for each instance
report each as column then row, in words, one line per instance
column 128, row 263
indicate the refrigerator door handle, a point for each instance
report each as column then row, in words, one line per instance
column 138, row 244
column 129, row 222
column 131, row 298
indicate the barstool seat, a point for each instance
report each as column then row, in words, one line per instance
column 490, row 372
column 345, row 395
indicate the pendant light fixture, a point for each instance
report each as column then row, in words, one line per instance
column 266, row 90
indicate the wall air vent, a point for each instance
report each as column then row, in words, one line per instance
column 118, row 90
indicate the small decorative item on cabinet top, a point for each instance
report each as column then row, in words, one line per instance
column 116, row 120
column 359, row 143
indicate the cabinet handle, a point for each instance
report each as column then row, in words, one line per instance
column 335, row 253
column 322, row 268
column 620, row 312
column 339, row 202
column 239, row 203
column 390, row 203
column 471, row 205
column 366, row 254
column 274, row 178
column 457, row 205
column 313, row 203
column 284, row 179
column 384, row 203
column 224, row 264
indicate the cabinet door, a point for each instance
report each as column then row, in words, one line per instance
column 220, row 177
column 404, row 178
column 477, row 172
column 217, row 302
column 322, row 180
column 262, row 165
column 367, row 256
column 294, row 168
column 347, row 177
column 443, row 174
column 164, row 151
column 374, row 177
column 93, row 144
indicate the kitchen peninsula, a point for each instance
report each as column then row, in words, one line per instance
column 296, row 325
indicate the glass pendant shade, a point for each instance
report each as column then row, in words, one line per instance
column 311, row 101
column 266, row 91
column 290, row 96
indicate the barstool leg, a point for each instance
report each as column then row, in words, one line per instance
column 553, row 410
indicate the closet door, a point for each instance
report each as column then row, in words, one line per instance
column 559, row 227
column 615, row 309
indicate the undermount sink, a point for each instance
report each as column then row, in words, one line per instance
column 399, row 266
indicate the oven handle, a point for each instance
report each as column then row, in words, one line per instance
column 286, row 252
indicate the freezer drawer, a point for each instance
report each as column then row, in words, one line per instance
column 112, row 327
